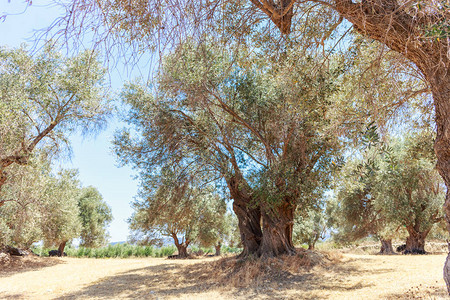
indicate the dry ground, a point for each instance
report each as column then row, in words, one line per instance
column 354, row 277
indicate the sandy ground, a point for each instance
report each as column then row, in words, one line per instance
column 355, row 277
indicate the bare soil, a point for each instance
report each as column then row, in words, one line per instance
column 352, row 277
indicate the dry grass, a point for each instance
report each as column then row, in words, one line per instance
column 234, row 272
column 309, row 275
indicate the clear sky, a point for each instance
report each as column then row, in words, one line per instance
column 92, row 156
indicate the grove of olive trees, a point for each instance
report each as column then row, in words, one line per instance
column 264, row 103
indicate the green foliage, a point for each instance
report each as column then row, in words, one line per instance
column 378, row 87
column 44, row 98
column 113, row 251
column 95, row 215
column 22, row 214
column 390, row 189
column 309, row 228
column 61, row 221
column 126, row 251
column 409, row 189
column 172, row 205
column 215, row 225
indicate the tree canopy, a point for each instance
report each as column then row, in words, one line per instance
column 95, row 216
column 44, row 98
column 392, row 187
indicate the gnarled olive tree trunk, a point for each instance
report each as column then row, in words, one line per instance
column 415, row 242
column 181, row 247
column 248, row 214
column 386, row 247
column 278, row 224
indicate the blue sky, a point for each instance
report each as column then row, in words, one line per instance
column 92, row 156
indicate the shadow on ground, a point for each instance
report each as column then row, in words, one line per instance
column 11, row 297
column 19, row 264
column 176, row 280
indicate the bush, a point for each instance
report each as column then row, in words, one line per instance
column 127, row 250
column 114, row 251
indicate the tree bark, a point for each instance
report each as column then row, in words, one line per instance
column 182, row 250
column 440, row 86
column 415, row 242
column 277, row 231
column 218, row 247
column 3, row 178
column 249, row 217
column 386, row 247
column 181, row 247
column 61, row 248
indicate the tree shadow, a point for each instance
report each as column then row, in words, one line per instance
column 142, row 283
column 20, row 264
column 11, row 297
column 178, row 280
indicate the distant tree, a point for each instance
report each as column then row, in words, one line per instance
column 215, row 227
column 409, row 189
column 60, row 213
column 170, row 204
column 310, row 227
column 389, row 188
column 45, row 97
column 95, row 216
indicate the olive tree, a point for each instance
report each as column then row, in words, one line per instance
column 43, row 98
column 172, row 204
column 310, row 227
column 95, row 216
column 20, row 214
column 410, row 191
column 392, row 188
column 222, row 114
column 60, row 213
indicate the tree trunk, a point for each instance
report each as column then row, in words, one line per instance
column 386, row 247
column 439, row 79
column 181, row 247
column 311, row 246
column 249, row 227
column 415, row 242
column 249, row 218
column 277, row 231
column 218, row 247
column 61, row 248
column 182, row 250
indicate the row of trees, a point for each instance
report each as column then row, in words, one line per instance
column 264, row 122
column 42, row 100
column 51, row 208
